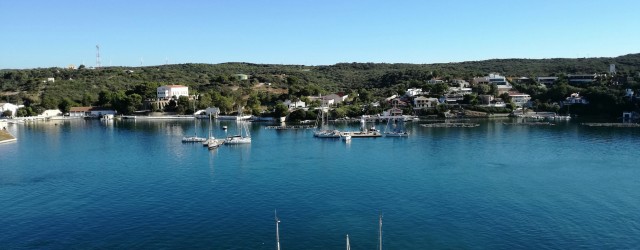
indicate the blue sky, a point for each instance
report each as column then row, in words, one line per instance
column 59, row 33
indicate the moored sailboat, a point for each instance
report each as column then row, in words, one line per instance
column 397, row 130
column 321, row 126
column 243, row 136
column 195, row 137
column 211, row 141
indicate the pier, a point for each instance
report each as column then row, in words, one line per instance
column 287, row 127
column 615, row 125
column 451, row 125
column 530, row 124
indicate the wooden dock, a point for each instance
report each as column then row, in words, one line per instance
column 614, row 125
column 288, row 127
column 451, row 125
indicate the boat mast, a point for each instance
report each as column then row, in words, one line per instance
column 380, row 232
column 348, row 246
column 277, row 230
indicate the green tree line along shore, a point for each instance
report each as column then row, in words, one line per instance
column 125, row 89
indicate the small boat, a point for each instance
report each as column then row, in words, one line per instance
column 211, row 141
column 224, row 127
column 346, row 138
column 215, row 143
column 243, row 136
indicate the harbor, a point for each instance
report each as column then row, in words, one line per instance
column 427, row 184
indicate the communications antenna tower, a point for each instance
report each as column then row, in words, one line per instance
column 98, row 56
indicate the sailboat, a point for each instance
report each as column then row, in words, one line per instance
column 211, row 141
column 243, row 136
column 195, row 137
column 321, row 130
column 397, row 131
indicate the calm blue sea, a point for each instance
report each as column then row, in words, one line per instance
column 134, row 185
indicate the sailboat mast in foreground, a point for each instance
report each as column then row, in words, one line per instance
column 277, row 230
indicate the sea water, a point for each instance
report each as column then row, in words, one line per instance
column 133, row 184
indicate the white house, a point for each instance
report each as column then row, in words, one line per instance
column 169, row 91
column 422, row 102
column 51, row 112
column 334, row 98
column 99, row 112
column 460, row 83
column 10, row 107
column 491, row 101
column 435, row 81
column 519, row 99
column 413, row 92
column 90, row 112
column 460, row 91
column 575, row 98
column 297, row 104
column 500, row 81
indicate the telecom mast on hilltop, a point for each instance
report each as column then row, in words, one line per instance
column 98, row 56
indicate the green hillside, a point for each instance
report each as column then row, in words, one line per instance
column 218, row 84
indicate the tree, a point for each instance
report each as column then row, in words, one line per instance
column 87, row 99
column 204, row 101
column 65, row 105
column 104, row 98
column 280, row 110
column 297, row 115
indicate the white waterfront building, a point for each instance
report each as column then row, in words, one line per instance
column 169, row 91
column 294, row 104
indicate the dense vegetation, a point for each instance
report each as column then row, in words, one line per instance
column 126, row 88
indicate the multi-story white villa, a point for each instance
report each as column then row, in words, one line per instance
column 169, row 91
column 519, row 99
column 422, row 102
column 493, row 78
